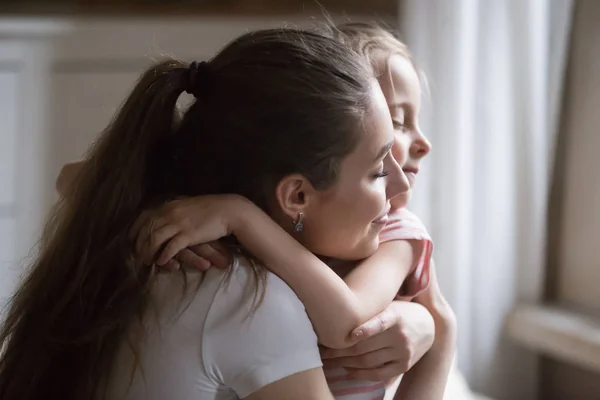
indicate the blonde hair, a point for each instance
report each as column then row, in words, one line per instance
column 377, row 44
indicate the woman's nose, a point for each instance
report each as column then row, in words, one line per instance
column 397, row 182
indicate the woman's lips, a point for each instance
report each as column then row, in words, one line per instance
column 383, row 219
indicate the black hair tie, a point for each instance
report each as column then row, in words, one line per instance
column 198, row 74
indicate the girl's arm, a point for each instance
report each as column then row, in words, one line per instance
column 335, row 306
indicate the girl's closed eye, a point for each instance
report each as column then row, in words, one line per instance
column 398, row 125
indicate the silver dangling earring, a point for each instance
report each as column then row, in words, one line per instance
column 298, row 223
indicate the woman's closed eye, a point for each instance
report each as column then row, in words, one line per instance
column 382, row 173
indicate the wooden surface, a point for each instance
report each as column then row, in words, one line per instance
column 196, row 7
column 558, row 333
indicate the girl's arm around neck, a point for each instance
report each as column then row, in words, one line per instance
column 336, row 307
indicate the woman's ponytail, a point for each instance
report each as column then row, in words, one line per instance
column 85, row 270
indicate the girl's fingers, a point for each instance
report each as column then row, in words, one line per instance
column 174, row 246
column 220, row 247
column 156, row 241
column 190, row 258
column 142, row 220
column 172, row 265
column 209, row 252
column 145, row 233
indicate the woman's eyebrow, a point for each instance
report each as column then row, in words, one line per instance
column 383, row 151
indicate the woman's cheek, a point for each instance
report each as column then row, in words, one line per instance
column 379, row 198
column 371, row 207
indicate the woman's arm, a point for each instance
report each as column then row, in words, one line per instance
column 427, row 379
column 334, row 306
column 306, row 385
column 266, row 351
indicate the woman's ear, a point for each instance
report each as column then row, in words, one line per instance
column 294, row 193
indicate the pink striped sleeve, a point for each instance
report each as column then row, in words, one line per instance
column 404, row 225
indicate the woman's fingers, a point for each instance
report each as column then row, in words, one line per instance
column 372, row 359
column 376, row 325
column 358, row 349
column 211, row 252
column 376, row 374
column 190, row 258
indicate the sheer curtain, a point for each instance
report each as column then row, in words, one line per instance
column 494, row 69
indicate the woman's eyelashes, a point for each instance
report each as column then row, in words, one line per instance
column 381, row 174
column 381, row 171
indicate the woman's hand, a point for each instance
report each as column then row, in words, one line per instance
column 186, row 230
column 427, row 380
column 390, row 343
column 435, row 302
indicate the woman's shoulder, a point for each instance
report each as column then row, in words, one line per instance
column 250, row 291
column 257, row 333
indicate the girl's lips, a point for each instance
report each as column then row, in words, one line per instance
column 411, row 175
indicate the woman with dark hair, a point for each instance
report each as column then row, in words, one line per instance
column 284, row 121
column 89, row 321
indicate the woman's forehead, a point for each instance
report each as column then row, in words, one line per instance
column 377, row 130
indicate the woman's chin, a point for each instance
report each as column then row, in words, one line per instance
column 367, row 249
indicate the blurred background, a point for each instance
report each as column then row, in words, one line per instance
column 510, row 193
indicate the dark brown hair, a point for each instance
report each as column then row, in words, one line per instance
column 271, row 103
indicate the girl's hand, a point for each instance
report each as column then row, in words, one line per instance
column 201, row 256
column 181, row 227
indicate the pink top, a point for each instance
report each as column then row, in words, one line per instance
column 402, row 225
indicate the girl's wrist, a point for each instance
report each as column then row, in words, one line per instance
column 239, row 212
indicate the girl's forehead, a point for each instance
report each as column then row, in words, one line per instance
column 399, row 80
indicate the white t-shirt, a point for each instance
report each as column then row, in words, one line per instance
column 207, row 344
